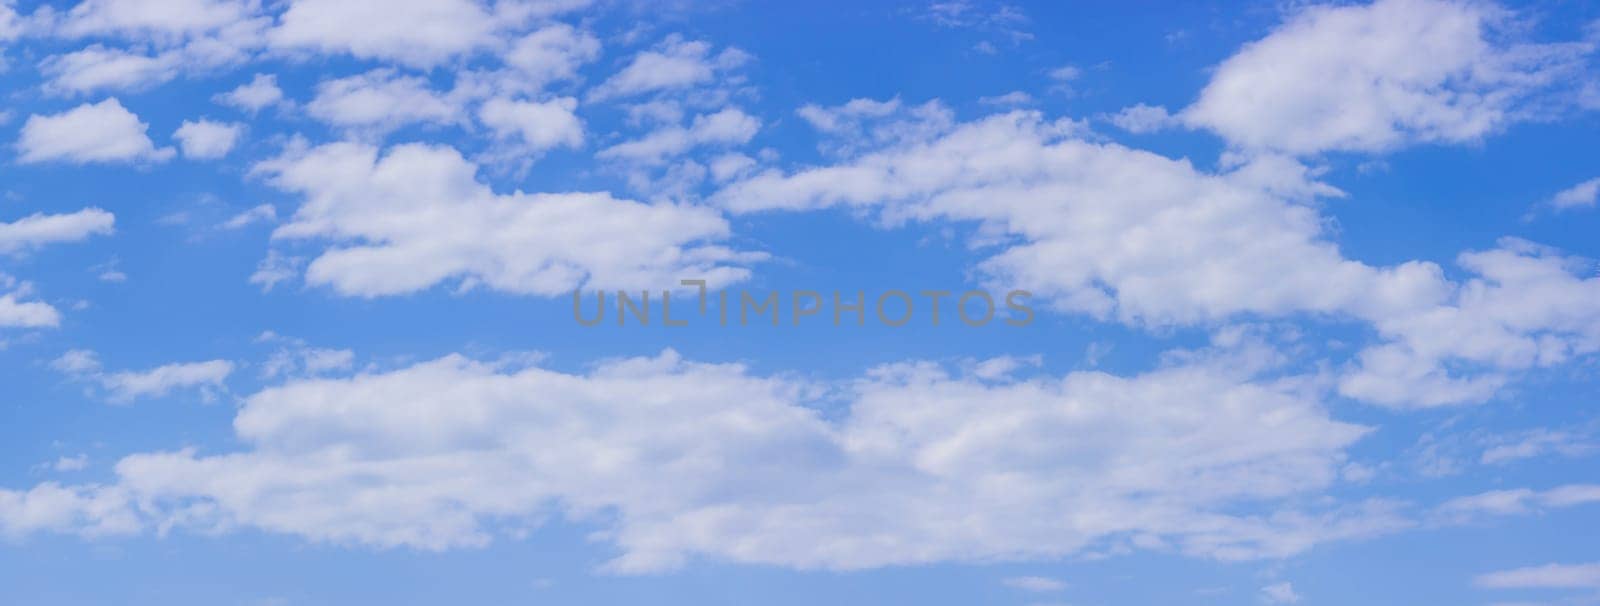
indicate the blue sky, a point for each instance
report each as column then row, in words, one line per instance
column 286, row 302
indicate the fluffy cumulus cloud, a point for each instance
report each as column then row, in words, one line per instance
column 1228, row 451
column 1141, row 118
column 97, row 132
column 417, row 216
column 681, row 460
column 536, row 126
column 260, row 92
column 1119, row 233
column 1104, row 229
column 382, row 100
column 1377, row 76
column 164, row 40
column 1526, row 307
column 16, row 312
column 86, row 511
column 206, row 139
column 419, row 33
column 552, row 53
column 156, row 18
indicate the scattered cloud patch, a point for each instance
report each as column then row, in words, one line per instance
column 382, row 100
column 261, row 213
column 1548, row 576
column 97, row 68
column 259, row 93
column 1375, row 77
column 1582, row 195
column 90, row 133
column 1141, row 118
column 1279, row 593
column 417, row 216
column 1125, row 234
column 416, row 33
column 18, row 313
column 728, row 127
column 674, row 64
column 535, row 126
column 122, row 387
column 691, row 457
column 40, row 229
column 1035, row 584
column 207, row 140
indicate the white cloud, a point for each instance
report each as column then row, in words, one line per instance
column 1114, row 232
column 417, row 216
column 208, row 140
column 674, row 64
column 1549, row 576
column 1538, row 442
column 552, row 53
column 73, row 463
column 126, row 386
column 1034, row 584
column 848, row 116
column 99, row 68
column 167, row 38
column 99, row 132
column 687, row 460
column 731, row 165
column 10, row 23
column 868, row 123
column 1379, row 76
column 16, row 313
column 1280, row 593
column 261, row 213
column 381, row 100
column 1066, row 73
column 727, row 127
column 77, row 362
column 40, row 229
column 1582, row 195
column 1515, row 501
column 275, row 269
column 537, row 126
column 153, row 17
column 1013, row 98
column 417, row 33
column 164, row 40
column 296, row 358
column 1141, row 118
column 1526, row 307
column 90, row 511
column 260, row 92
column 1101, row 228
column 998, row 18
